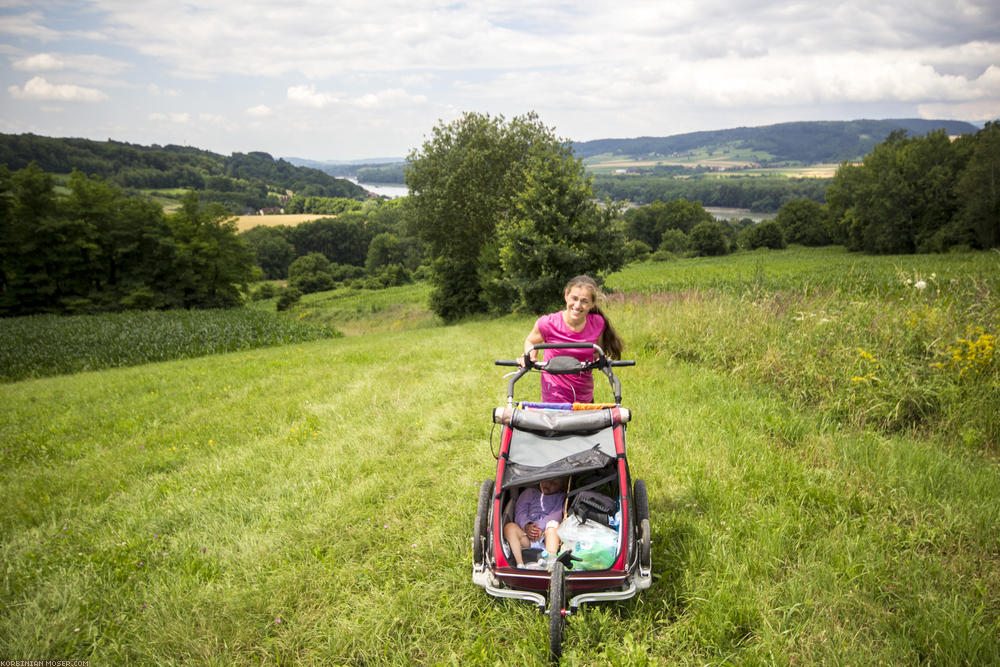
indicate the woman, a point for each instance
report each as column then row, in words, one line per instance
column 581, row 322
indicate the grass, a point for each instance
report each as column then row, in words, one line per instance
column 312, row 503
column 361, row 312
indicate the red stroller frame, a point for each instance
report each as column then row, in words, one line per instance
column 581, row 441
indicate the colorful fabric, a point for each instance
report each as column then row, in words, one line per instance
column 570, row 388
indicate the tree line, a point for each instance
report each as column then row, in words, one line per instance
column 920, row 194
column 96, row 249
column 756, row 193
column 239, row 182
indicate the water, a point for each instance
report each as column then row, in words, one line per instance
column 724, row 213
column 383, row 189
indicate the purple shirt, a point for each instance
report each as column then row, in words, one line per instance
column 538, row 508
column 568, row 388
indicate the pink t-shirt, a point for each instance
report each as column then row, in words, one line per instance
column 568, row 388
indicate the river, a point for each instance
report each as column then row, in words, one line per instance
column 383, row 189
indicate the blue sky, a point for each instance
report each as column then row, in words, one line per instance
column 356, row 79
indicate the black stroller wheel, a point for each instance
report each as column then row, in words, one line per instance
column 557, row 607
column 641, row 501
column 481, row 530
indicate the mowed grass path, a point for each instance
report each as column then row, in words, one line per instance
column 313, row 504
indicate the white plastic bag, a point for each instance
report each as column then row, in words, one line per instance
column 593, row 543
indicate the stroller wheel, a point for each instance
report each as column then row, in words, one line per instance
column 557, row 607
column 481, row 530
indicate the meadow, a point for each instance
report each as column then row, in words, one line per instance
column 312, row 503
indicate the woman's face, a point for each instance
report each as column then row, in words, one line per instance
column 579, row 302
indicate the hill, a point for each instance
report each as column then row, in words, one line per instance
column 814, row 142
column 240, row 181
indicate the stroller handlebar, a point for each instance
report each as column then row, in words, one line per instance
column 602, row 363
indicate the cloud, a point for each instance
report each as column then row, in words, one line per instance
column 308, row 96
column 39, row 89
column 180, row 118
column 52, row 62
column 388, row 98
column 260, row 111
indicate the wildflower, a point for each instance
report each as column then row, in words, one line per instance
column 920, row 285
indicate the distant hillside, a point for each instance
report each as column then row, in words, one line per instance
column 807, row 142
column 241, row 181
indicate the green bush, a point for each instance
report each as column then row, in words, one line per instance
column 310, row 273
column 709, row 239
column 767, row 234
column 288, row 298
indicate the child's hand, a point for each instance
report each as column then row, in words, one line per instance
column 533, row 532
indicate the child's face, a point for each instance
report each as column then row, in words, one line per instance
column 553, row 485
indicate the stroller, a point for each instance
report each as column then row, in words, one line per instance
column 606, row 551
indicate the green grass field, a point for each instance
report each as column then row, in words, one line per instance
column 312, row 503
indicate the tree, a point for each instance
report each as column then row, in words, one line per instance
column 556, row 232
column 708, row 238
column 211, row 263
column 675, row 241
column 385, row 249
column 310, row 273
column 46, row 254
column 271, row 250
column 902, row 197
column 978, row 189
column 803, row 221
column 649, row 223
column 463, row 182
column 766, row 234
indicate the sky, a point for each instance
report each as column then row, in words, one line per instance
column 361, row 79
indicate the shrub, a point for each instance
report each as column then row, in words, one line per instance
column 288, row 298
column 709, row 238
column 674, row 241
column 263, row 291
column 765, row 235
column 310, row 273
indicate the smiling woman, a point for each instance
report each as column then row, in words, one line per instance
column 581, row 322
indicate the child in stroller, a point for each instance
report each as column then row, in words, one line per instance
column 537, row 515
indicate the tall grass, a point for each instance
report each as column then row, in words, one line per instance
column 312, row 503
column 895, row 343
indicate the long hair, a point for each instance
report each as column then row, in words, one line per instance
column 609, row 339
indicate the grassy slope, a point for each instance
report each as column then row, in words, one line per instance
column 313, row 503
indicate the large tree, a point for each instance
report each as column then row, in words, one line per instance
column 463, row 181
column 504, row 209
column 556, row 231
column 978, row 190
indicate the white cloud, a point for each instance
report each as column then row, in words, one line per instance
column 180, row 118
column 40, row 62
column 308, row 96
column 260, row 111
column 88, row 63
column 388, row 98
column 40, row 89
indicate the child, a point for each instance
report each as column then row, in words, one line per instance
column 536, row 519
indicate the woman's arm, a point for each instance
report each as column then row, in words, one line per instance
column 534, row 338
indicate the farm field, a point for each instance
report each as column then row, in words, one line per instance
column 245, row 222
column 815, row 431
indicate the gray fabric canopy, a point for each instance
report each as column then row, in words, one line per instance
column 533, row 457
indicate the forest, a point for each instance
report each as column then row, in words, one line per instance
column 241, row 182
